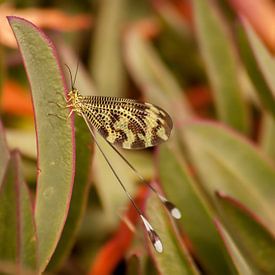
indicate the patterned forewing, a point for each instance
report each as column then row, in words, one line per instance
column 127, row 123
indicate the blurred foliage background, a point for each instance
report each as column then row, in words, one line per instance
column 210, row 64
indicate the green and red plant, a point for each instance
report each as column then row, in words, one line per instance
column 218, row 166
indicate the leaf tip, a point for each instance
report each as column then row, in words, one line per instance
column 13, row 17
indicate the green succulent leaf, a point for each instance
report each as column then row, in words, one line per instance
column 84, row 145
column 196, row 214
column 5, row 155
column 228, row 163
column 265, row 60
column 106, row 53
column 267, row 136
column 80, row 194
column 55, row 136
column 221, row 64
column 254, row 241
column 259, row 64
column 17, row 232
column 239, row 261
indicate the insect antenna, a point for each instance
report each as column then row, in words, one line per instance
column 174, row 211
column 153, row 236
column 71, row 76
column 77, row 66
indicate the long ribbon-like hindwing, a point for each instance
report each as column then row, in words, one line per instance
column 128, row 124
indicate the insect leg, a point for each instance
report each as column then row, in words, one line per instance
column 58, row 116
column 58, row 104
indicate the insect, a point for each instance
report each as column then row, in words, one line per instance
column 128, row 124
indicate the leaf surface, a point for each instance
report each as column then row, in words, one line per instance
column 254, row 241
column 197, row 217
column 55, row 136
column 228, row 163
column 17, row 232
column 221, row 64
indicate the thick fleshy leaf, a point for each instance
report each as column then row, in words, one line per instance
column 106, row 60
column 17, row 231
column 83, row 166
column 197, row 219
column 264, row 59
column 220, row 61
column 230, row 164
column 154, row 78
column 4, row 156
column 55, row 138
column 80, row 194
column 174, row 259
column 259, row 64
column 241, row 265
column 267, row 136
column 254, row 241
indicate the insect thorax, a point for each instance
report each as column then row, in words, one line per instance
column 75, row 101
